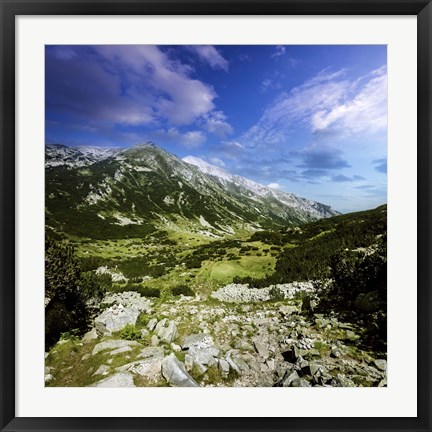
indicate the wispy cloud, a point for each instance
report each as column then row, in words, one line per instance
column 216, row 123
column 279, row 50
column 340, row 178
column 210, row 55
column 328, row 103
column 269, row 84
column 276, row 186
column 217, row 161
column 381, row 165
column 190, row 139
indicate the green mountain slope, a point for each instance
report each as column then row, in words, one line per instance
column 133, row 192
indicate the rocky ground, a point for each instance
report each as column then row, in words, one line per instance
column 237, row 337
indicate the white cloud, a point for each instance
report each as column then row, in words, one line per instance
column 158, row 86
column 366, row 111
column 190, row 139
column 217, row 161
column 215, row 123
column 329, row 102
column 280, row 50
column 276, row 186
column 269, row 84
column 210, row 55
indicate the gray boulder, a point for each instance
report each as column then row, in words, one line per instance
column 175, row 373
column 166, row 330
column 102, row 370
column 198, row 340
column 121, row 350
column 152, row 352
column 120, row 379
column 261, row 349
column 342, row 381
column 224, row 368
column 149, row 368
column 89, row 336
column 115, row 319
column 381, row 364
column 207, row 356
column 113, row 345
column 152, row 324
column 289, row 378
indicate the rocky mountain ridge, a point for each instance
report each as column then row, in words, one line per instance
column 134, row 191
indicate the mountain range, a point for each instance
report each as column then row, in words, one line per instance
column 130, row 192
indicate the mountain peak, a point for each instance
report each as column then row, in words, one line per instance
column 208, row 168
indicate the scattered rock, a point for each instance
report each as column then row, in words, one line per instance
column 115, row 319
column 342, row 381
column 206, row 356
column 120, row 350
column 289, row 378
column 48, row 378
column 175, row 373
column 288, row 310
column 199, row 340
column 129, row 300
column 189, row 362
column 152, row 352
column 149, row 368
column 114, row 344
column 120, row 379
column 261, row 349
column 336, row 351
column 89, row 336
column 166, row 330
column 300, row 383
column 154, row 340
column 381, row 364
column 224, row 368
column 175, row 347
column 239, row 293
column 102, row 370
column 152, row 324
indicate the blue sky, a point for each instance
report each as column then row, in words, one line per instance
column 311, row 120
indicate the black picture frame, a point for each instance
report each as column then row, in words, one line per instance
column 9, row 9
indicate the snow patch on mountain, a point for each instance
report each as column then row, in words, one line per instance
column 204, row 223
column 257, row 191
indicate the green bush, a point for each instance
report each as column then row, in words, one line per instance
column 130, row 332
column 276, row 294
column 183, row 289
column 94, row 286
column 70, row 291
column 142, row 290
column 67, row 307
column 356, row 272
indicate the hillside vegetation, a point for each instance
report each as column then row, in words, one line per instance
column 298, row 305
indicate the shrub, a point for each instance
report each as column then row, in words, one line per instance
column 183, row 289
column 359, row 272
column 70, row 291
column 136, row 280
column 94, row 286
column 67, row 308
column 276, row 294
column 142, row 290
column 130, row 332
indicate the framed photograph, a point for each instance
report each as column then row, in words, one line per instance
column 215, row 216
